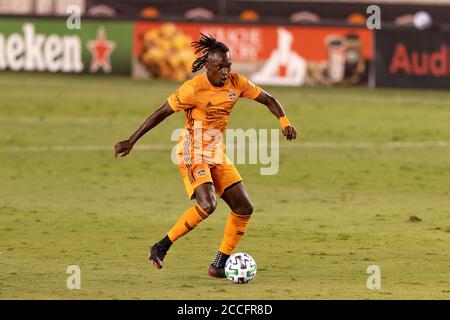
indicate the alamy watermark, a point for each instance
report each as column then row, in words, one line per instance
column 74, row 280
column 73, row 21
column 374, row 20
column 249, row 146
column 374, row 280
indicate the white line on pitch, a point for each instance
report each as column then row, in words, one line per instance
column 305, row 145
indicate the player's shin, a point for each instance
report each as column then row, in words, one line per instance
column 188, row 221
column 234, row 230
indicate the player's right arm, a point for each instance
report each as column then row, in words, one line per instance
column 181, row 99
column 124, row 147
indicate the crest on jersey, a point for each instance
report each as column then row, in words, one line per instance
column 232, row 95
column 201, row 173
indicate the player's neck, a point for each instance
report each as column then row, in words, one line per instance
column 211, row 83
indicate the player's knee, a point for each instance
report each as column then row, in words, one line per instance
column 246, row 209
column 209, row 205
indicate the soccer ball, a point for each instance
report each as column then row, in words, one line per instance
column 240, row 268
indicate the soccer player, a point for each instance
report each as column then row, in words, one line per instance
column 207, row 101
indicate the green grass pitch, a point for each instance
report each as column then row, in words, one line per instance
column 341, row 201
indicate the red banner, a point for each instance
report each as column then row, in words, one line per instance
column 283, row 55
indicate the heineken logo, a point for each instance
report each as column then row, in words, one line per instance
column 32, row 51
column 39, row 52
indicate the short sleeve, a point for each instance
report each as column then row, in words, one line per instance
column 182, row 98
column 249, row 89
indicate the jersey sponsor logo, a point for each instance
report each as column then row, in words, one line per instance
column 217, row 114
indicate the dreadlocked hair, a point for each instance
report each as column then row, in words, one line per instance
column 205, row 45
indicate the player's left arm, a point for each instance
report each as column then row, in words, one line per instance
column 277, row 109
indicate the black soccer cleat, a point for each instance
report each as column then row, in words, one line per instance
column 157, row 255
column 216, row 272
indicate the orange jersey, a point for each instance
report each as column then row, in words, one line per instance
column 209, row 108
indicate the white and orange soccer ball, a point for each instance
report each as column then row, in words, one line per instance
column 240, row 268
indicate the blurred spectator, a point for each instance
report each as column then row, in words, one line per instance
column 150, row 12
column 356, row 18
column 249, row 15
column 305, row 17
column 102, row 10
column 199, row 14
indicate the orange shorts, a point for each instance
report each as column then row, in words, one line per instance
column 221, row 175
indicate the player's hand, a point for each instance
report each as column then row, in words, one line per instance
column 290, row 133
column 123, row 148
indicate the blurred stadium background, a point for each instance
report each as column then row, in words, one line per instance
column 366, row 183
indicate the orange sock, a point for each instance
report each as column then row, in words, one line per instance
column 234, row 230
column 188, row 221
